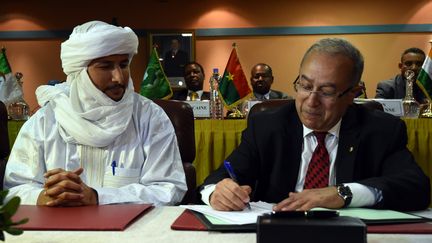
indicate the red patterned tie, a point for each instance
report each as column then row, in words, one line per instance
column 317, row 175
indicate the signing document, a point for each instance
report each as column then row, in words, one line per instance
column 247, row 216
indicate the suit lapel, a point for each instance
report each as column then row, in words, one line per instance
column 348, row 146
column 293, row 134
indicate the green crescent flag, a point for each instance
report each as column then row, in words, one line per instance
column 155, row 84
column 4, row 64
column 424, row 79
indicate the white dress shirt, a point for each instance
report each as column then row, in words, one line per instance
column 199, row 93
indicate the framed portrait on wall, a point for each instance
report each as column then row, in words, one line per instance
column 175, row 49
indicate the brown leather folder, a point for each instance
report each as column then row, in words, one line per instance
column 413, row 228
column 188, row 221
column 102, row 217
column 191, row 220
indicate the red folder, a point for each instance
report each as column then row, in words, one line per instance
column 414, row 228
column 102, row 217
column 189, row 220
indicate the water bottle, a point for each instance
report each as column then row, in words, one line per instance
column 216, row 108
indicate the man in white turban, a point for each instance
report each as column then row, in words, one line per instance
column 96, row 141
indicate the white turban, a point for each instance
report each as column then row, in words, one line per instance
column 93, row 40
column 84, row 113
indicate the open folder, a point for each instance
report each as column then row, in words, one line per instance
column 192, row 220
column 114, row 217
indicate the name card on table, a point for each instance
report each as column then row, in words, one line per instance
column 391, row 106
column 201, row 109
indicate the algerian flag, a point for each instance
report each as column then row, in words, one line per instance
column 10, row 90
column 424, row 79
column 155, row 84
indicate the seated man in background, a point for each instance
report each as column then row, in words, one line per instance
column 194, row 78
column 261, row 80
column 411, row 59
column 94, row 140
column 362, row 92
column 321, row 150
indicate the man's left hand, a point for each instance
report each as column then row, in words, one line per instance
column 310, row 198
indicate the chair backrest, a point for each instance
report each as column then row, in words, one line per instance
column 4, row 141
column 181, row 116
column 372, row 104
column 269, row 104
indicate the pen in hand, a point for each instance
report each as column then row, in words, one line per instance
column 230, row 171
column 113, row 165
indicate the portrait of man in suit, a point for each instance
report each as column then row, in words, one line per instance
column 322, row 150
column 175, row 59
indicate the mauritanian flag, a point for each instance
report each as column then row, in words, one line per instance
column 155, row 84
column 10, row 90
column 424, row 79
column 233, row 87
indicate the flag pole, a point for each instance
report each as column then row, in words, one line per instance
column 427, row 112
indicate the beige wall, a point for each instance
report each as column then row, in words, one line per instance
column 39, row 59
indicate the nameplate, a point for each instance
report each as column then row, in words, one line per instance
column 201, row 109
column 391, row 106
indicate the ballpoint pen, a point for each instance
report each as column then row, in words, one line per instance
column 113, row 165
column 230, row 171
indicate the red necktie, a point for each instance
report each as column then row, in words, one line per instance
column 317, row 175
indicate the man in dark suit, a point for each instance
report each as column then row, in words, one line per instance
column 261, row 80
column 194, row 78
column 175, row 59
column 411, row 59
column 321, row 150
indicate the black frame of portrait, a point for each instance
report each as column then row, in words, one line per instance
column 162, row 41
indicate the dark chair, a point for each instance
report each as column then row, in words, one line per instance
column 269, row 104
column 182, row 118
column 372, row 104
column 4, row 141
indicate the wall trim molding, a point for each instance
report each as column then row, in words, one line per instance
column 256, row 31
column 316, row 30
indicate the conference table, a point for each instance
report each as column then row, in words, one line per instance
column 155, row 227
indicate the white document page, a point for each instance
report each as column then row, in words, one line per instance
column 234, row 217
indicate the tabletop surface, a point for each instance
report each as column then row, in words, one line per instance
column 155, row 227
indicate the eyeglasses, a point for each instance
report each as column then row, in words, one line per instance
column 307, row 90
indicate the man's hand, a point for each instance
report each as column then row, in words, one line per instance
column 310, row 198
column 65, row 188
column 229, row 196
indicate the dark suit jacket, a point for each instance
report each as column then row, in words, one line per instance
column 275, row 94
column 372, row 151
column 182, row 95
column 395, row 89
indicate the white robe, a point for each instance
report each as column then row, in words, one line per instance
column 148, row 163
